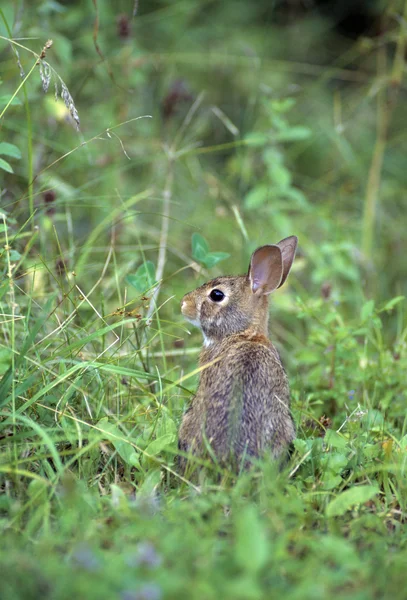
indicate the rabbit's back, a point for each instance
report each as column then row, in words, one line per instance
column 242, row 403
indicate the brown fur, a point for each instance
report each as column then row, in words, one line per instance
column 242, row 404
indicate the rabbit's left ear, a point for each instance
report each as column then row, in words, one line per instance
column 288, row 246
column 266, row 269
column 270, row 265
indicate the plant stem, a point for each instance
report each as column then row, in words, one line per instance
column 375, row 171
column 30, row 173
column 162, row 253
column 385, row 105
column 29, row 131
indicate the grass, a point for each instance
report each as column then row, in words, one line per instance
column 97, row 365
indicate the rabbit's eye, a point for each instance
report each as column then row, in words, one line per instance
column 216, row 295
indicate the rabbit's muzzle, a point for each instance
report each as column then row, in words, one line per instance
column 190, row 310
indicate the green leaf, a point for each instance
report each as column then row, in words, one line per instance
column 10, row 150
column 280, row 176
column 349, row 498
column 330, row 480
column 4, row 100
column 282, row 106
column 257, row 196
column 116, row 437
column 200, row 247
column 302, row 446
column 37, row 491
column 14, row 255
column 212, row 258
column 118, row 497
column 144, row 277
column 334, row 439
column 5, row 360
column 256, row 139
column 162, row 443
column 371, row 450
column 5, row 166
column 367, row 310
column 373, row 420
column 200, row 252
column 293, row 134
column 392, row 303
column 251, row 545
column 334, row 462
column 151, row 481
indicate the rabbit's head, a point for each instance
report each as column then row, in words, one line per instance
column 228, row 305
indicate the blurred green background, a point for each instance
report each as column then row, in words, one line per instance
column 224, row 125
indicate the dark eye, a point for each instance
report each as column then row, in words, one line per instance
column 216, row 295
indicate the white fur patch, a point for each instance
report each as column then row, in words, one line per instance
column 193, row 321
column 207, row 341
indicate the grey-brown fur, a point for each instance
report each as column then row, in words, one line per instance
column 242, row 404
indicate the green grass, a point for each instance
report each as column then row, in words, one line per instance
column 103, row 231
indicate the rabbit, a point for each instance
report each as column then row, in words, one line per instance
column 241, row 409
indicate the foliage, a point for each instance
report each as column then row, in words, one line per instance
column 206, row 129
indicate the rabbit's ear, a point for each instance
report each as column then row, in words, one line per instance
column 266, row 269
column 288, row 246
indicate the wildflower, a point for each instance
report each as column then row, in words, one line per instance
column 85, row 558
column 145, row 556
column 149, row 591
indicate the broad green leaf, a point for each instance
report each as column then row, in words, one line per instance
column 118, row 497
column 37, row 490
column 334, row 462
column 367, row 310
column 257, row 196
column 116, row 437
column 144, row 277
column 150, row 483
column 403, row 443
column 297, row 196
column 200, row 247
column 256, row 139
column 371, row 450
column 200, row 252
column 282, row 106
column 9, row 150
column 251, row 545
column 162, row 443
column 330, row 480
column 302, row 446
column 334, row 439
column 244, row 587
column 350, row 498
column 5, row 166
column 212, row 258
column 14, row 255
column 279, row 175
column 292, row 134
column 4, row 100
column 5, row 360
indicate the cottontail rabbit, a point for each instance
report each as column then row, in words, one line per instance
column 242, row 405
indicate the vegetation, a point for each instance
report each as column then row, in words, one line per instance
column 181, row 138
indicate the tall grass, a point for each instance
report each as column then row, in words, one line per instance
column 97, row 366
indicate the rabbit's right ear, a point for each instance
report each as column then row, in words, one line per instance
column 288, row 247
column 266, row 269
